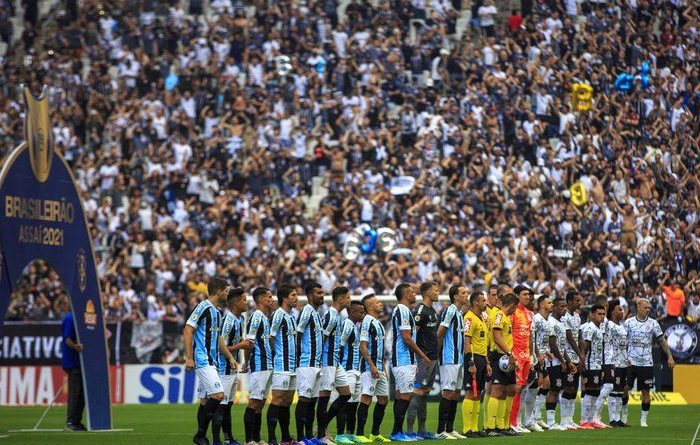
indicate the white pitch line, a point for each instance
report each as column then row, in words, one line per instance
column 696, row 434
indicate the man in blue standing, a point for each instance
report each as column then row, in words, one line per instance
column 71, row 364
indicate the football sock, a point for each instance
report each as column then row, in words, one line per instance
column 350, row 413
column 551, row 412
column 453, row 414
column 476, row 408
column 400, row 407
column 249, row 424
column 540, row 401
column 200, row 420
column 530, row 402
column 614, row 403
column 340, row 422
column 624, row 411
column 216, row 423
column 284, row 423
column 585, row 408
column 508, row 411
column 645, row 410
column 335, row 408
column 272, row 417
column 258, row 426
column 467, row 407
column 412, row 413
column 604, row 392
column 514, row 409
column 362, row 411
column 568, row 403
column 300, row 418
column 443, row 414
column 310, row 411
column 422, row 412
column 226, row 424
column 207, row 415
column 378, row 416
column 485, row 403
column 321, row 411
column 499, row 414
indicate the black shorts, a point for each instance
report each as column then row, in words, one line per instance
column 644, row 375
column 481, row 374
column 571, row 380
column 620, row 379
column 592, row 379
column 608, row 374
column 425, row 374
column 556, row 377
column 499, row 377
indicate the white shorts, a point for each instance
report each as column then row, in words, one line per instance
column 354, row 383
column 284, row 381
column 404, row 376
column 451, row 377
column 374, row 387
column 209, row 381
column 333, row 377
column 259, row 384
column 308, row 382
column 229, row 382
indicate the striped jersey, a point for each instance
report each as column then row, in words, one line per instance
column 453, row 341
column 594, row 335
column 232, row 332
column 350, row 353
column 373, row 333
column 572, row 322
column 259, row 333
column 284, row 329
column 402, row 320
column 206, row 321
column 332, row 329
column 310, row 342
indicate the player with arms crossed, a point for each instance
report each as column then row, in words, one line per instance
column 259, row 361
column 403, row 356
column 203, row 343
column 450, row 337
column 284, row 380
column 641, row 332
column 309, row 349
column 618, row 344
column 571, row 321
column 522, row 326
column 560, row 363
column 592, row 348
column 373, row 377
column 426, row 338
column 232, row 333
column 350, row 361
column 333, row 374
column 477, row 367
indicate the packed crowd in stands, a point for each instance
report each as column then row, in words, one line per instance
column 195, row 145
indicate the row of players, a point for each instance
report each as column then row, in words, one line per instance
column 488, row 352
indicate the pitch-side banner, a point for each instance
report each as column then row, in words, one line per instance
column 41, row 217
column 682, row 338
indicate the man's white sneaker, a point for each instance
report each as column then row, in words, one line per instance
column 643, row 424
column 557, row 427
column 521, row 429
column 446, row 436
column 456, row 435
column 534, row 427
column 542, row 425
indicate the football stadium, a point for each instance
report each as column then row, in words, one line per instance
column 338, row 222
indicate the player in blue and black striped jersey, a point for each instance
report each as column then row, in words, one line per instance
column 373, row 378
column 332, row 374
column 232, row 333
column 350, row 361
column 283, row 332
column 203, row 344
column 451, row 347
column 403, row 356
column 309, row 349
column 259, row 361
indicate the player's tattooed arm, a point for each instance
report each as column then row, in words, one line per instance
column 556, row 352
column 664, row 346
column 585, row 346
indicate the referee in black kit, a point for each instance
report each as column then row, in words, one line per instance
column 70, row 361
column 426, row 339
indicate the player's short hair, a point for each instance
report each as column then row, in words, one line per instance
column 426, row 286
column 356, row 303
column 571, row 295
column 601, row 300
column 509, row 299
column 234, row 293
column 311, row 286
column 453, row 292
column 216, row 285
column 597, row 307
column 401, row 290
column 366, row 298
column 494, row 286
column 612, row 304
column 474, row 296
column 283, row 292
column 541, row 299
column 503, row 289
column 259, row 292
column 558, row 300
column 339, row 292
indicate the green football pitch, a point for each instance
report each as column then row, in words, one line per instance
column 174, row 424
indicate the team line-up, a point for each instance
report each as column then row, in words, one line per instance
column 517, row 354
